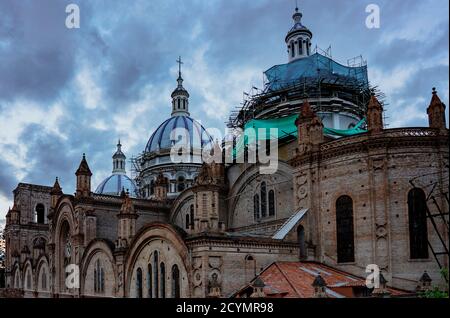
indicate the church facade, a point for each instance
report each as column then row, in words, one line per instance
column 347, row 193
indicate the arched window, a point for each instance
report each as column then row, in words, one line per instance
column 99, row 277
column 300, row 46
column 180, row 184
column 152, row 187
column 301, row 241
column 344, row 230
column 191, row 212
column 178, row 100
column 256, row 206
column 44, row 279
column 263, row 200
column 28, row 284
column 155, row 274
column 271, row 203
column 40, row 213
column 292, row 49
column 175, row 281
column 162, row 290
column 139, row 283
column 418, row 232
column 308, row 44
column 188, row 221
column 250, row 267
column 17, row 279
column 149, row 281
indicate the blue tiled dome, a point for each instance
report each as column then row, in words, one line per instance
column 161, row 138
column 114, row 184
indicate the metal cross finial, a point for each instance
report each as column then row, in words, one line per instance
column 179, row 65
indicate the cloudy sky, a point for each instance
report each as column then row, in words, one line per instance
column 68, row 91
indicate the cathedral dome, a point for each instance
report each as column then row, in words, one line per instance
column 164, row 139
column 118, row 181
column 114, row 184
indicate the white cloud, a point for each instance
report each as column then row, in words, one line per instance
column 15, row 119
column 221, row 90
column 88, row 89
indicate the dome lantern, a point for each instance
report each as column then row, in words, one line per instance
column 119, row 160
column 298, row 39
column 180, row 96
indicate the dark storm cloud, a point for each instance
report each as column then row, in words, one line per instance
column 36, row 53
column 8, row 181
column 50, row 155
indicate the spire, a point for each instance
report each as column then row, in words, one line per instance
column 119, row 160
column 180, row 96
column 180, row 79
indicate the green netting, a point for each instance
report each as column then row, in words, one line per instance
column 286, row 127
column 315, row 66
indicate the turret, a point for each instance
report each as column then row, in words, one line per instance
column 207, row 197
column 436, row 112
column 161, row 185
column 374, row 115
column 13, row 215
column 126, row 227
column 424, row 283
column 84, row 175
column 319, row 285
column 258, row 288
column 381, row 290
column 309, row 128
column 55, row 193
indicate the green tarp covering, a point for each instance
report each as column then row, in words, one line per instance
column 286, row 127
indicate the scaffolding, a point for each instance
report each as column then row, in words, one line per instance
column 437, row 200
column 318, row 76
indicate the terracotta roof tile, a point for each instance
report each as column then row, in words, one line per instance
column 295, row 280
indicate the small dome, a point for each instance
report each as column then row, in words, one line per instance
column 298, row 27
column 114, row 184
column 161, row 138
